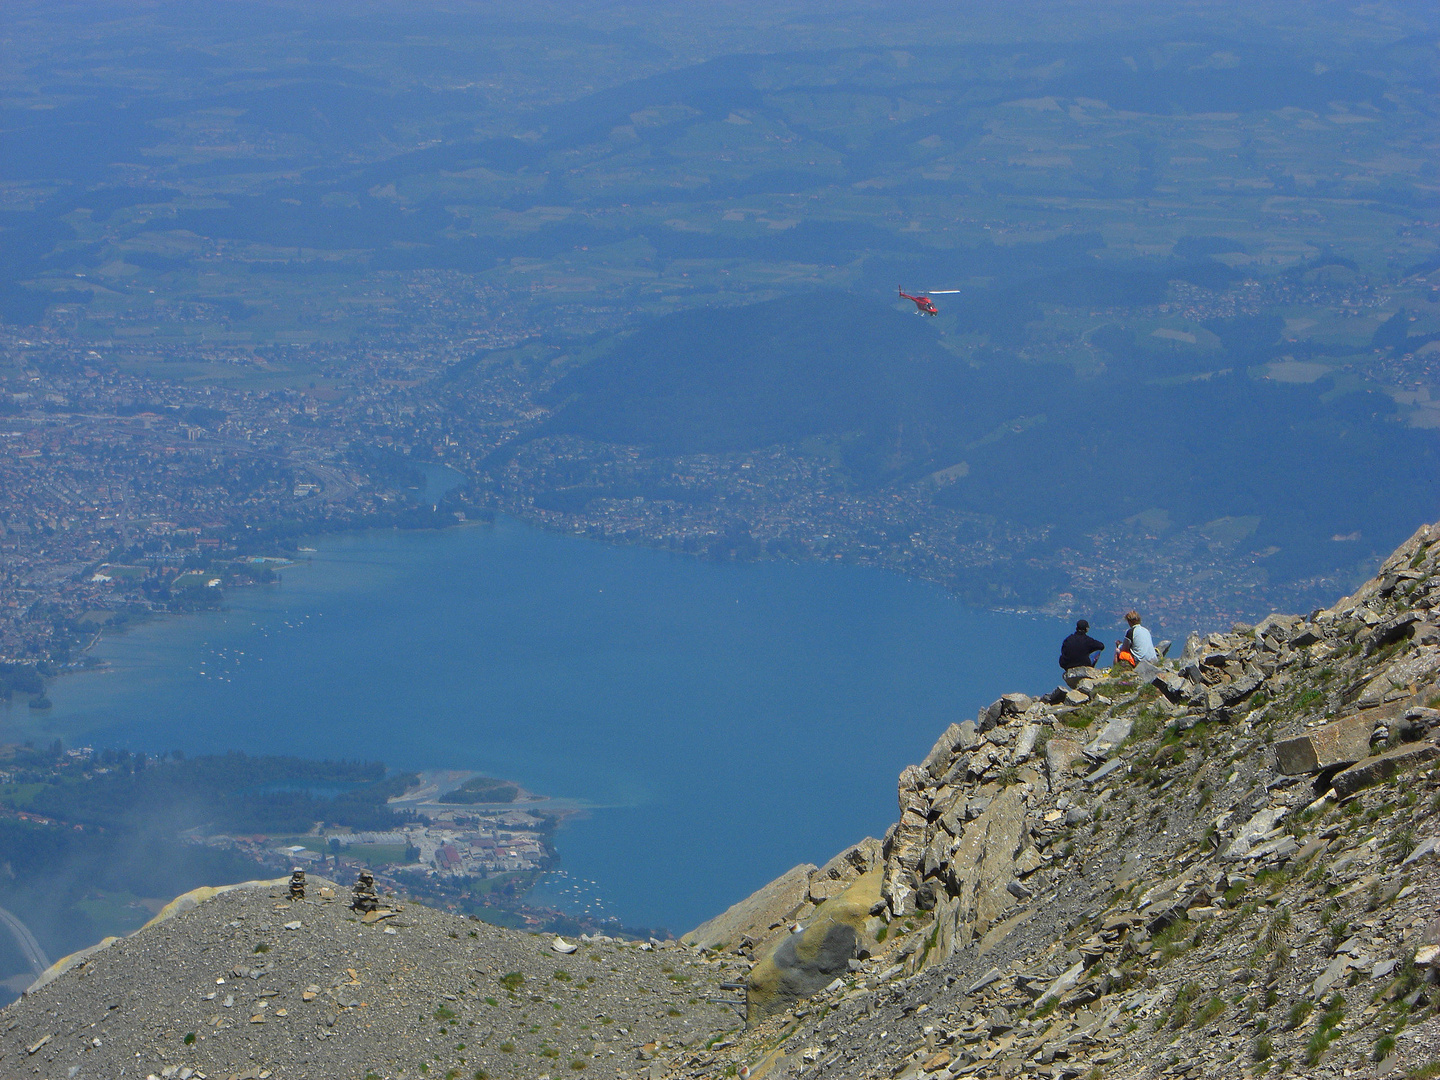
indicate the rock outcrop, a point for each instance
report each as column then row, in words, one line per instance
column 753, row 925
column 1221, row 865
column 809, row 959
column 759, row 916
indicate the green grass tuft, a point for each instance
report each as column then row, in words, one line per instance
column 1211, row 1009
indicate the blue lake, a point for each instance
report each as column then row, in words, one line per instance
column 726, row 721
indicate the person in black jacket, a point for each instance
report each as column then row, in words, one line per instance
column 1080, row 649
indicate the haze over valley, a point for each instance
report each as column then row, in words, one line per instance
column 555, row 355
column 632, row 276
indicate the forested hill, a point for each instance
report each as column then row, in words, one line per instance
column 231, row 792
column 1194, row 432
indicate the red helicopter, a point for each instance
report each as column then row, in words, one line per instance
column 923, row 304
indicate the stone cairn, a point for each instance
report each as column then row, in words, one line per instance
column 297, row 884
column 366, row 899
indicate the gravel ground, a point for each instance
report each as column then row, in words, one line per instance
column 250, row 985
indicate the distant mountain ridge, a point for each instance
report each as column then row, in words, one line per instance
column 1046, row 449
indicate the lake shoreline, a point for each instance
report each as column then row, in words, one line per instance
column 667, row 699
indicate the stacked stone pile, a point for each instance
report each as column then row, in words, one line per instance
column 1221, row 865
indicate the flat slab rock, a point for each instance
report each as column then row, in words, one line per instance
column 1324, row 747
column 1382, row 766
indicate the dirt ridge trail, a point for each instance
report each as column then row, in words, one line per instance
column 251, row 984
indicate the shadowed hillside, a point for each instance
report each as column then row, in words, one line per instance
column 1043, row 447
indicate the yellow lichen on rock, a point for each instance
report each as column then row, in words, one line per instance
column 195, row 897
column 804, row 962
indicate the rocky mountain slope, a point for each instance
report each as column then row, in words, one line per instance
column 1225, row 865
column 1222, row 866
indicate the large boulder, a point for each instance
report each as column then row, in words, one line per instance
column 1400, row 678
column 1060, row 753
column 904, row 856
column 758, row 916
column 839, row 873
column 809, row 960
column 1016, row 704
column 1277, row 627
column 1341, row 743
column 1175, row 688
column 1393, row 629
column 1254, row 832
column 1414, row 724
column 1114, row 733
column 851, row 863
column 1025, row 742
column 955, row 738
column 904, row 848
column 1240, row 687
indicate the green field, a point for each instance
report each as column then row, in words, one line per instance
column 375, row 854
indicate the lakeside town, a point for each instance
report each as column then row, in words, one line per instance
column 125, row 493
column 489, row 856
column 141, row 477
column 450, row 837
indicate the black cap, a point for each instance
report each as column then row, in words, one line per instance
column 1082, row 627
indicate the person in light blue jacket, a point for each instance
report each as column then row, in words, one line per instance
column 1138, row 642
